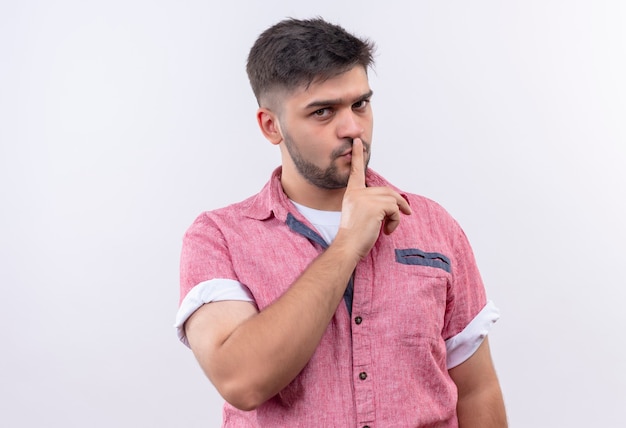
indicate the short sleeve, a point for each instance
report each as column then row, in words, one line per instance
column 206, row 272
column 214, row 290
column 463, row 345
column 204, row 255
column 466, row 292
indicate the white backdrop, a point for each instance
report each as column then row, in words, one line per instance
column 121, row 121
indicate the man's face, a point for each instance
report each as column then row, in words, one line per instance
column 319, row 123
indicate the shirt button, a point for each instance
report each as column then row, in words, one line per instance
column 358, row 320
column 362, row 375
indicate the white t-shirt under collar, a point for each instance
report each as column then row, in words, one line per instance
column 325, row 222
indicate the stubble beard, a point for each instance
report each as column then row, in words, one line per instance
column 328, row 178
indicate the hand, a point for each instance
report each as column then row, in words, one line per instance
column 366, row 209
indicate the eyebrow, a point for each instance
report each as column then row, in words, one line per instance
column 324, row 103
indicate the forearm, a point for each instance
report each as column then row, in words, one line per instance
column 480, row 403
column 263, row 354
column 483, row 408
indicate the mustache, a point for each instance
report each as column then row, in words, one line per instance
column 348, row 146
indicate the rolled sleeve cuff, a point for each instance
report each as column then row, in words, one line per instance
column 463, row 345
column 214, row 290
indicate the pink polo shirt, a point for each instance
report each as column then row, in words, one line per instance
column 417, row 308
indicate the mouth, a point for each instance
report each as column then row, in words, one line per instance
column 347, row 153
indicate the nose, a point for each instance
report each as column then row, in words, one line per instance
column 349, row 125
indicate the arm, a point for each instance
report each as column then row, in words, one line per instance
column 480, row 399
column 250, row 356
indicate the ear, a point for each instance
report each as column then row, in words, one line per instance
column 268, row 122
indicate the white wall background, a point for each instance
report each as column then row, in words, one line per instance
column 120, row 121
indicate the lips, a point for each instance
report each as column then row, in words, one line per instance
column 347, row 153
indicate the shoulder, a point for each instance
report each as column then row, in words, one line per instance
column 259, row 206
column 422, row 206
column 221, row 217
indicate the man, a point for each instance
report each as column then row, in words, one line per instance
column 331, row 298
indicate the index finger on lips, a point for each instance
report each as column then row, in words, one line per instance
column 357, row 168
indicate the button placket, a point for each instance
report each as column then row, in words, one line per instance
column 362, row 344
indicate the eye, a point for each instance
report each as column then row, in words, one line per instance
column 323, row 112
column 361, row 105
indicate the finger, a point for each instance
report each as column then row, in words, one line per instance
column 357, row 169
column 392, row 221
column 403, row 204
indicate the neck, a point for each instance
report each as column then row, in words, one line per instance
column 301, row 191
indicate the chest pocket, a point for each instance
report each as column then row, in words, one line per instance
column 418, row 295
column 414, row 256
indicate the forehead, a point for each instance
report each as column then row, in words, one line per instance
column 346, row 87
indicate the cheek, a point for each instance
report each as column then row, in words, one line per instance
column 318, row 156
column 315, row 143
column 312, row 146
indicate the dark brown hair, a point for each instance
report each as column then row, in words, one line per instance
column 296, row 52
